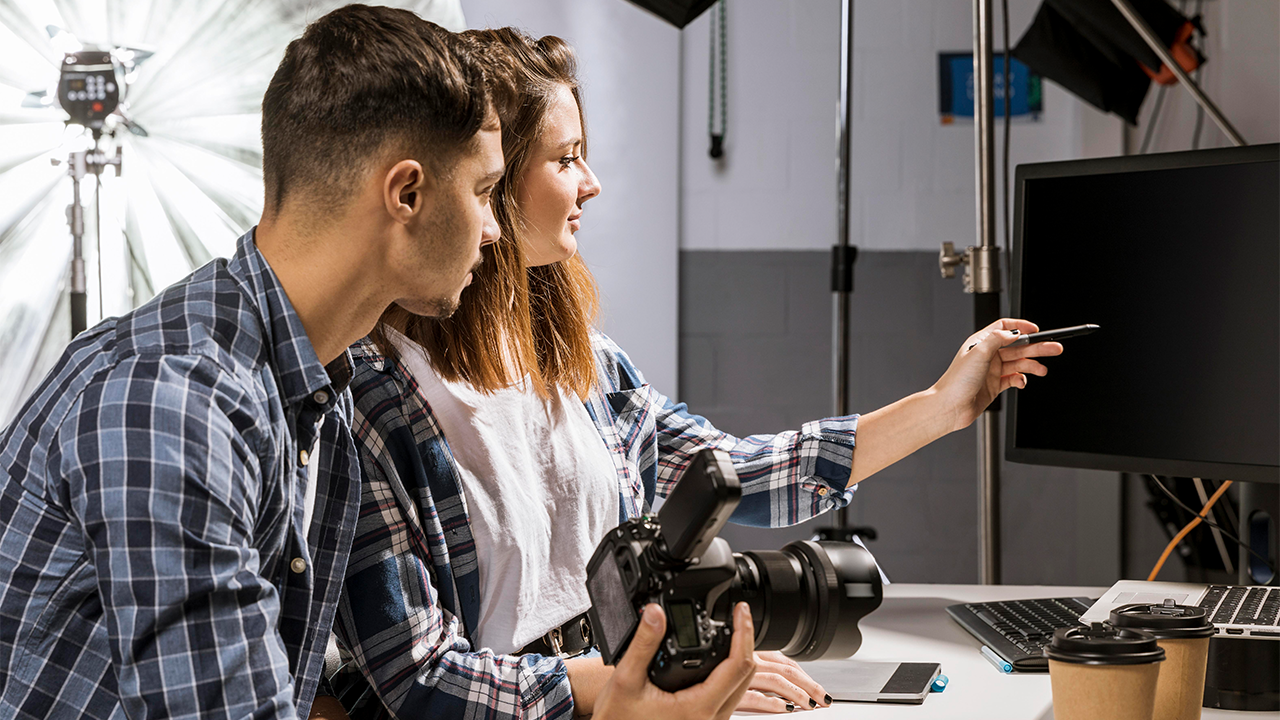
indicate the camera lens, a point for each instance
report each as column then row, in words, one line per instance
column 806, row 599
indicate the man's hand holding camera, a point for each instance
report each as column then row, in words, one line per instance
column 629, row 693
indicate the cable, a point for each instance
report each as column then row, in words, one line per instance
column 1200, row 518
column 1155, row 116
column 97, row 230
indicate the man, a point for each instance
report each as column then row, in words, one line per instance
column 157, row 552
column 178, row 496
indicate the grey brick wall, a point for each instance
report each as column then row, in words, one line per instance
column 755, row 357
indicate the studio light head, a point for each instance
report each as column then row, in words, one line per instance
column 88, row 89
column 676, row 12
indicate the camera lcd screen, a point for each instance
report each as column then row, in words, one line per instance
column 686, row 627
column 617, row 618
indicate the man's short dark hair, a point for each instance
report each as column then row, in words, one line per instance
column 360, row 80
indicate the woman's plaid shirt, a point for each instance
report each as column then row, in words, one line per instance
column 412, row 589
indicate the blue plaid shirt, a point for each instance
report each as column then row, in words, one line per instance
column 153, row 559
column 413, row 588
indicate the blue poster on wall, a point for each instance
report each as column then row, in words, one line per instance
column 955, row 88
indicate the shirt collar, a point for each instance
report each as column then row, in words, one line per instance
column 296, row 365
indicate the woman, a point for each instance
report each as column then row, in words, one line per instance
column 487, row 485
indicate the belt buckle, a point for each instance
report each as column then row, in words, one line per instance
column 554, row 638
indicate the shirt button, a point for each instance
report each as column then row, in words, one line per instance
column 321, row 397
column 822, row 490
column 304, row 457
column 298, row 565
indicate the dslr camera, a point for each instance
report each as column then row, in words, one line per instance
column 805, row 599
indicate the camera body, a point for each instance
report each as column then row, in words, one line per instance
column 697, row 637
column 805, row 599
column 673, row 559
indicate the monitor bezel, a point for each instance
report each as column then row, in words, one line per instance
column 1103, row 166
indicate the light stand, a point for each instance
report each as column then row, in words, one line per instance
column 843, row 256
column 982, row 279
column 80, row 164
column 982, row 262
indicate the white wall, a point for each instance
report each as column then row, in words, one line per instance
column 630, row 68
column 912, row 179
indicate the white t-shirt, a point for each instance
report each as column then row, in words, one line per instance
column 540, row 489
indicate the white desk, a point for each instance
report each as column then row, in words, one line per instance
column 912, row 625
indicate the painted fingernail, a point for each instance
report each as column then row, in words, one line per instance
column 813, row 703
column 1015, row 332
column 791, row 707
column 826, row 700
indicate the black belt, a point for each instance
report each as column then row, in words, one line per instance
column 570, row 639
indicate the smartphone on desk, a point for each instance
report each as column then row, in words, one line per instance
column 881, row 682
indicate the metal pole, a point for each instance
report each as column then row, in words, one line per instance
column 840, row 298
column 984, row 268
column 75, row 217
column 1166, row 57
column 842, row 259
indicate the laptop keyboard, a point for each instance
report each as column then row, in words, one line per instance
column 1248, row 606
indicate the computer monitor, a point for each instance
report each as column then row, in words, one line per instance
column 1177, row 257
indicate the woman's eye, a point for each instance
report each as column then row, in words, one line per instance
column 568, row 160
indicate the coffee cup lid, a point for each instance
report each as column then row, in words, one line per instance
column 1166, row 620
column 1102, row 644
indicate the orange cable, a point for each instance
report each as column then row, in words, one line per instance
column 1183, row 533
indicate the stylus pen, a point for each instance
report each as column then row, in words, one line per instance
column 996, row 660
column 1050, row 335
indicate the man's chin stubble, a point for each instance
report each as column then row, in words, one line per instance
column 437, row 309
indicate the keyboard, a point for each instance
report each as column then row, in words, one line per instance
column 1018, row 630
column 1243, row 611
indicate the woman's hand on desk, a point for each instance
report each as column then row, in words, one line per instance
column 628, row 694
column 780, row 675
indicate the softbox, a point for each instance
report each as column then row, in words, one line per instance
column 1088, row 47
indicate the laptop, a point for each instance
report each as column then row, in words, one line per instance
column 1237, row 611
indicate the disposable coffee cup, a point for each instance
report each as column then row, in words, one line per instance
column 1103, row 672
column 1183, row 631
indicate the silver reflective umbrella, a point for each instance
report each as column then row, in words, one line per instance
column 192, row 74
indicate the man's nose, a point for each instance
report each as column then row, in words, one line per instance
column 490, row 232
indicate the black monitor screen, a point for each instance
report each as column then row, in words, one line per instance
column 1177, row 258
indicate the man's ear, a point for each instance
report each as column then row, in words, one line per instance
column 405, row 188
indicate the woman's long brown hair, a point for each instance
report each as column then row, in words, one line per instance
column 515, row 320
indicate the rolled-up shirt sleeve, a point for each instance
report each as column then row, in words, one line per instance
column 159, row 464
column 787, row 477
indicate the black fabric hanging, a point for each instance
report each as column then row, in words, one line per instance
column 1087, row 47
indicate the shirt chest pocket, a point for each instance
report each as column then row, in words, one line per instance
column 636, row 425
